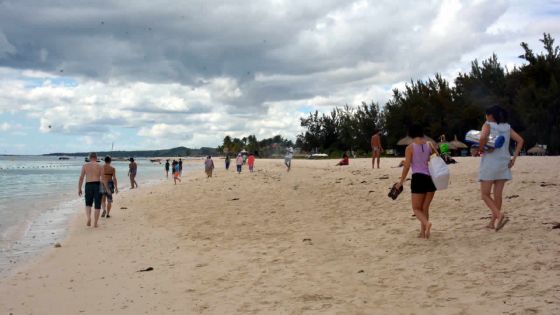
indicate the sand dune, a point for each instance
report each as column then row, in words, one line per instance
column 318, row 240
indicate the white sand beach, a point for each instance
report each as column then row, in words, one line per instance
column 317, row 240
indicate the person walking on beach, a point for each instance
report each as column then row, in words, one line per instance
column 239, row 163
column 167, row 168
column 417, row 155
column 228, row 161
column 132, row 169
column 173, row 164
column 251, row 162
column 180, row 167
column 209, row 166
column 496, row 164
column 176, row 172
column 110, row 187
column 288, row 158
column 92, row 172
column 376, row 148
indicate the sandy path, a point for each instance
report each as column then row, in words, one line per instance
column 317, row 240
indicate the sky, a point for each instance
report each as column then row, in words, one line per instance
column 83, row 75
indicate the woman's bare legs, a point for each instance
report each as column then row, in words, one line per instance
column 426, row 209
column 417, row 207
column 498, row 193
column 485, row 194
column 104, row 205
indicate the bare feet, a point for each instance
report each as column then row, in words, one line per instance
column 95, row 225
column 502, row 220
column 428, row 228
column 421, row 235
column 88, row 222
column 490, row 225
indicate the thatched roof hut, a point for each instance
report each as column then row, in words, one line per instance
column 458, row 144
column 537, row 150
column 408, row 140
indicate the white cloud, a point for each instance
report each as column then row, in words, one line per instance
column 5, row 127
column 188, row 75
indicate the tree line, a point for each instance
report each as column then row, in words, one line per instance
column 530, row 93
column 274, row 146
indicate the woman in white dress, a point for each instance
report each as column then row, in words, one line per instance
column 495, row 164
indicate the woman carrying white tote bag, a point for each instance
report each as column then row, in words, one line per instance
column 439, row 171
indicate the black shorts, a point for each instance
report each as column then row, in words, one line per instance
column 421, row 184
column 93, row 194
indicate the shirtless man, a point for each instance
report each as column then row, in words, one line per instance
column 376, row 148
column 110, row 181
column 93, row 174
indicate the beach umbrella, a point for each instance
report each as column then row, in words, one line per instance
column 458, row 144
column 405, row 141
column 537, row 150
column 408, row 140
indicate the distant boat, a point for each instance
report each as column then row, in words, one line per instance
column 63, row 158
column 317, row 156
column 155, row 161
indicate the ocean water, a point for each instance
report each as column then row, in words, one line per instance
column 38, row 195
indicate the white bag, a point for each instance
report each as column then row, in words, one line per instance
column 439, row 172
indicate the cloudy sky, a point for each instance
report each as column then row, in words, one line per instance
column 79, row 75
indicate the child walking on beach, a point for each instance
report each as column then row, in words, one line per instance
column 251, row 162
column 417, row 155
column 176, row 173
column 239, row 163
column 495, row 164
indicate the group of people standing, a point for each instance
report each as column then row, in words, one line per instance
column 176, row 169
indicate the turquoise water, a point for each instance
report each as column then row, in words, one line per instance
column 39, row 194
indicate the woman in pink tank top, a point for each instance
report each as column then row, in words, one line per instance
column 417, row 156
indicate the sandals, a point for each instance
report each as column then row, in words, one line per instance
column 395, row 192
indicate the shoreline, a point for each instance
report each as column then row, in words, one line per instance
column 40, row 231
column 320, row 239
column 26, row 247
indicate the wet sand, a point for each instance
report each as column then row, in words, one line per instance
column 318, row 240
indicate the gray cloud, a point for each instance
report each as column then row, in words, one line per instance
column 244, row 59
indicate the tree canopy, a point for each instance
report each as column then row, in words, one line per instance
column 530, row 93
column 274, row 146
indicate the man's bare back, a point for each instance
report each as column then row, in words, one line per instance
column 92, row 172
